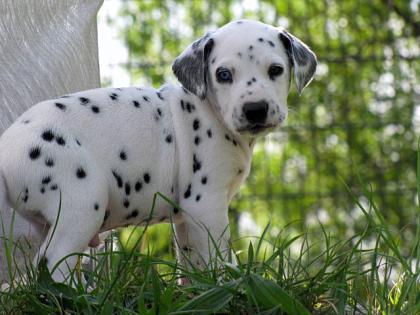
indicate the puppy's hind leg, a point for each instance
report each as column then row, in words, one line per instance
column 74, row 225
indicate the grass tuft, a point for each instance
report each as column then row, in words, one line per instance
column 292, row 274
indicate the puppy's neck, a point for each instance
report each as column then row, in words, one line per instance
column 245, row 141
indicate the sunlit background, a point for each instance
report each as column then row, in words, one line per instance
column 356, row 125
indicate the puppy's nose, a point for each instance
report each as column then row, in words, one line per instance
column 256, row 112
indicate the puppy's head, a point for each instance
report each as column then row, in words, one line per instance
column 244, row 70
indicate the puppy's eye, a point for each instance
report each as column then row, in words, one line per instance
column 223, row 75
column 274, row 71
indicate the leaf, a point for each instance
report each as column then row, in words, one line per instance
column 209, row 301
column 269, row 294
column 250, row 258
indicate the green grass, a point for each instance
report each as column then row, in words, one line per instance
column 292, row 274
column 268, row 279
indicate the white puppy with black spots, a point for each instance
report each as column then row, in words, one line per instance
column 92, row 161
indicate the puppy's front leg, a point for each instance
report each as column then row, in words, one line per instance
column 205, row 225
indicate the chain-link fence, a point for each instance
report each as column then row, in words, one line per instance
column 360, row 117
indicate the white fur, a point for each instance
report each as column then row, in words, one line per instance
column 134, row 136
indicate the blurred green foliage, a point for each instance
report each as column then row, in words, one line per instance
column 360, row 115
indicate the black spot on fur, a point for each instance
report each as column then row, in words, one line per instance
column 60, row 106
column 126, row 203
column 96, row 206
column 182, row 105
column 127, row 188
column 60, row 140
column 133, row 214
column 198, row 197
column 117, row 178
column 254, row 80
column 95, row 109
column 197, row 140
column 160, row 96
column 113, row 96
column 271, row 43
column 196, row 163
column 54, row 187
column 209, row 133
column 146, row 177
column 136, row 104
column 249, row 83
column 84, row 100
column 158, row 114
column 123, row 156
column 187, row 249
column 251, row 47
column 146, row 98
column 48, row 135
column 260, row 40
column 176, row 210
column 80, row 173
column 239, row 55
column 49, row 162
column 168, row 139
column 227, row 137
column 213, row 60
column 138, row 186
column 26, row 121
column 106, row 216
column 204, row 180
column 42, row 190
column 46, row 180
column 78, row 142
column 190, row 107
column 34, row 153
column 196, row 124
column 25, row 196
column 234, row 142
column 187, row 193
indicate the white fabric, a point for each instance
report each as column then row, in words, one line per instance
column 47, row 48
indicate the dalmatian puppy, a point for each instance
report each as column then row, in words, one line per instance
column 85, row 163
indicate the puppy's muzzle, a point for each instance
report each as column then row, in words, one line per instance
column 255, row 112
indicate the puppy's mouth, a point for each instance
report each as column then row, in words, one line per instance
column 256, row 129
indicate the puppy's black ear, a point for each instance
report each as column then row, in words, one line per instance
column 191, row 66
column 301, row 58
